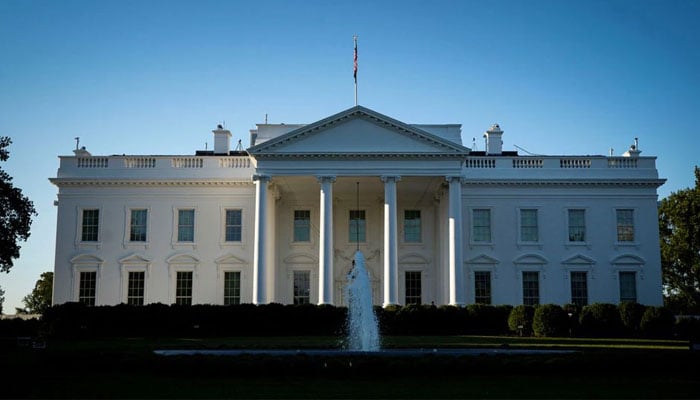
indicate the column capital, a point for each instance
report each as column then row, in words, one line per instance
column 325, row 178
column 387, row 178
column 262, row 177
column 452, row 178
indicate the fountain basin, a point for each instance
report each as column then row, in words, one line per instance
column 381, row 353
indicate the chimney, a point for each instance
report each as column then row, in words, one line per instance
column 494, row 143
column 222, row 140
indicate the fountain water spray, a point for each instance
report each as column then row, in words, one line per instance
column 363, row 329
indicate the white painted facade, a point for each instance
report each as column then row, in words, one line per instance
column 471, row 208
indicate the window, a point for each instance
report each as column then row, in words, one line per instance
column 135, row 289
column 302, row 225
column 302, row 287
column 577, row 225
column 482, row 287
column 481, row 226
column 91, row 223
column 233, row 225
column 185, row 225
column 87, row 287
column 579, row 288
column 411, row 226
column 528, row 225
column 413, row 287
column 531, row 288
column 625, row 225
column 139, row 225
column 357, row 226
column 628, row 286
column 183, row 288
column 232, row 288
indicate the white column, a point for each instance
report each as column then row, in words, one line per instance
column 391, row 265
column 325, row 246
column 454, row 243
column 259, row 247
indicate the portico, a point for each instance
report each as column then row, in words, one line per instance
column 417, row 165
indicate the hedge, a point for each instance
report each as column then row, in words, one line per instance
column 75, row 320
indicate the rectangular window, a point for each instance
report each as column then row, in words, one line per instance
column 579, row 288
column 90, row 227
column 413, row 287
column 628, row 286
column 531, row 288
column 411, row 226
column 481, row 226
column 482, row 287
column 357, row 231
column 625, row 225
column 233, row 225
column 139, row 225
column 528, row 225
column 183, row 288
column 87, row 288
column 185, row 225
column 577, row 225
column 135, row 290
column 302, row 225
column 232, row 288
column 302, row 287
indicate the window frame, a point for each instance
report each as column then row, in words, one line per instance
column 488, row 287
column 129, row 231
column 538, row 297
column 129, row 295
column 473, row 236
column 295, row 297
column 307, row 227
column 240, row 280
column 569, row 226
column 414, row 298
column 79, row 294
column 572, row 289
column 406, row 228
column 521, row 226
column 631, row 228
column 79, row 226
column 233, row 226
column 177, row 296
column 635, row 287
column 175, row 224
column 353, row 238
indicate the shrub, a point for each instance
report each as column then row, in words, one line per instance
column 657, row 322
column 550, row 320
column 521, row 316
column 600, row 320
column 631, row 315
column 688, row 327
column 573, row 312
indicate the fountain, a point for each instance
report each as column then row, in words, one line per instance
column 363, row 329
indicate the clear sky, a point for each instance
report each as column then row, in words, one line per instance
column 154, row 77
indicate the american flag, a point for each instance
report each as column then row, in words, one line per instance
column 354, row 68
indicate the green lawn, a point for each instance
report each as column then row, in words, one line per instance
column 127, row 368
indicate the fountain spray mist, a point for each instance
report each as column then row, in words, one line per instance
column 363, row 329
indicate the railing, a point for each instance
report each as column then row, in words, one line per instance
column 481, row 163
column 187, row 162
column 575, row 163
column 93, row 162
column 234, row 162
column 140, row 162
column 622, row 162
column 528, row 163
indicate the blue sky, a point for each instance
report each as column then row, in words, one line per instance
column 154, row 77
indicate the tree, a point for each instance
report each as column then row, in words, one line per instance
column 16, row 212
column 679, row 229
column 2, row 298
column 39, row 300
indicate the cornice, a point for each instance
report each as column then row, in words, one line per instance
column 148, row 182
column 654, row 183
column 354, row 156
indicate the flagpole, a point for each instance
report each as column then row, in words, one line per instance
column 354, row 68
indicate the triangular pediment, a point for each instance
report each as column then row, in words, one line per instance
column 578, row 259
column 185, row 258
column 86, row 259
column 482, row 259
column 135, row 259
column 229, row 259
column 358, row 131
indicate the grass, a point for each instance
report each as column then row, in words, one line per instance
column 127, row 368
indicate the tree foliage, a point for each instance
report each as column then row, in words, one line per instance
column 679, row 229
column 16, row 212
column 39, row 300
column 2, row 298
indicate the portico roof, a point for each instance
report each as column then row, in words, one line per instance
column 358, row 132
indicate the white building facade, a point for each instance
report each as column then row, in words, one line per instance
column 280, row 222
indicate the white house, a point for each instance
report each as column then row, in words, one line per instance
column 280, row 222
